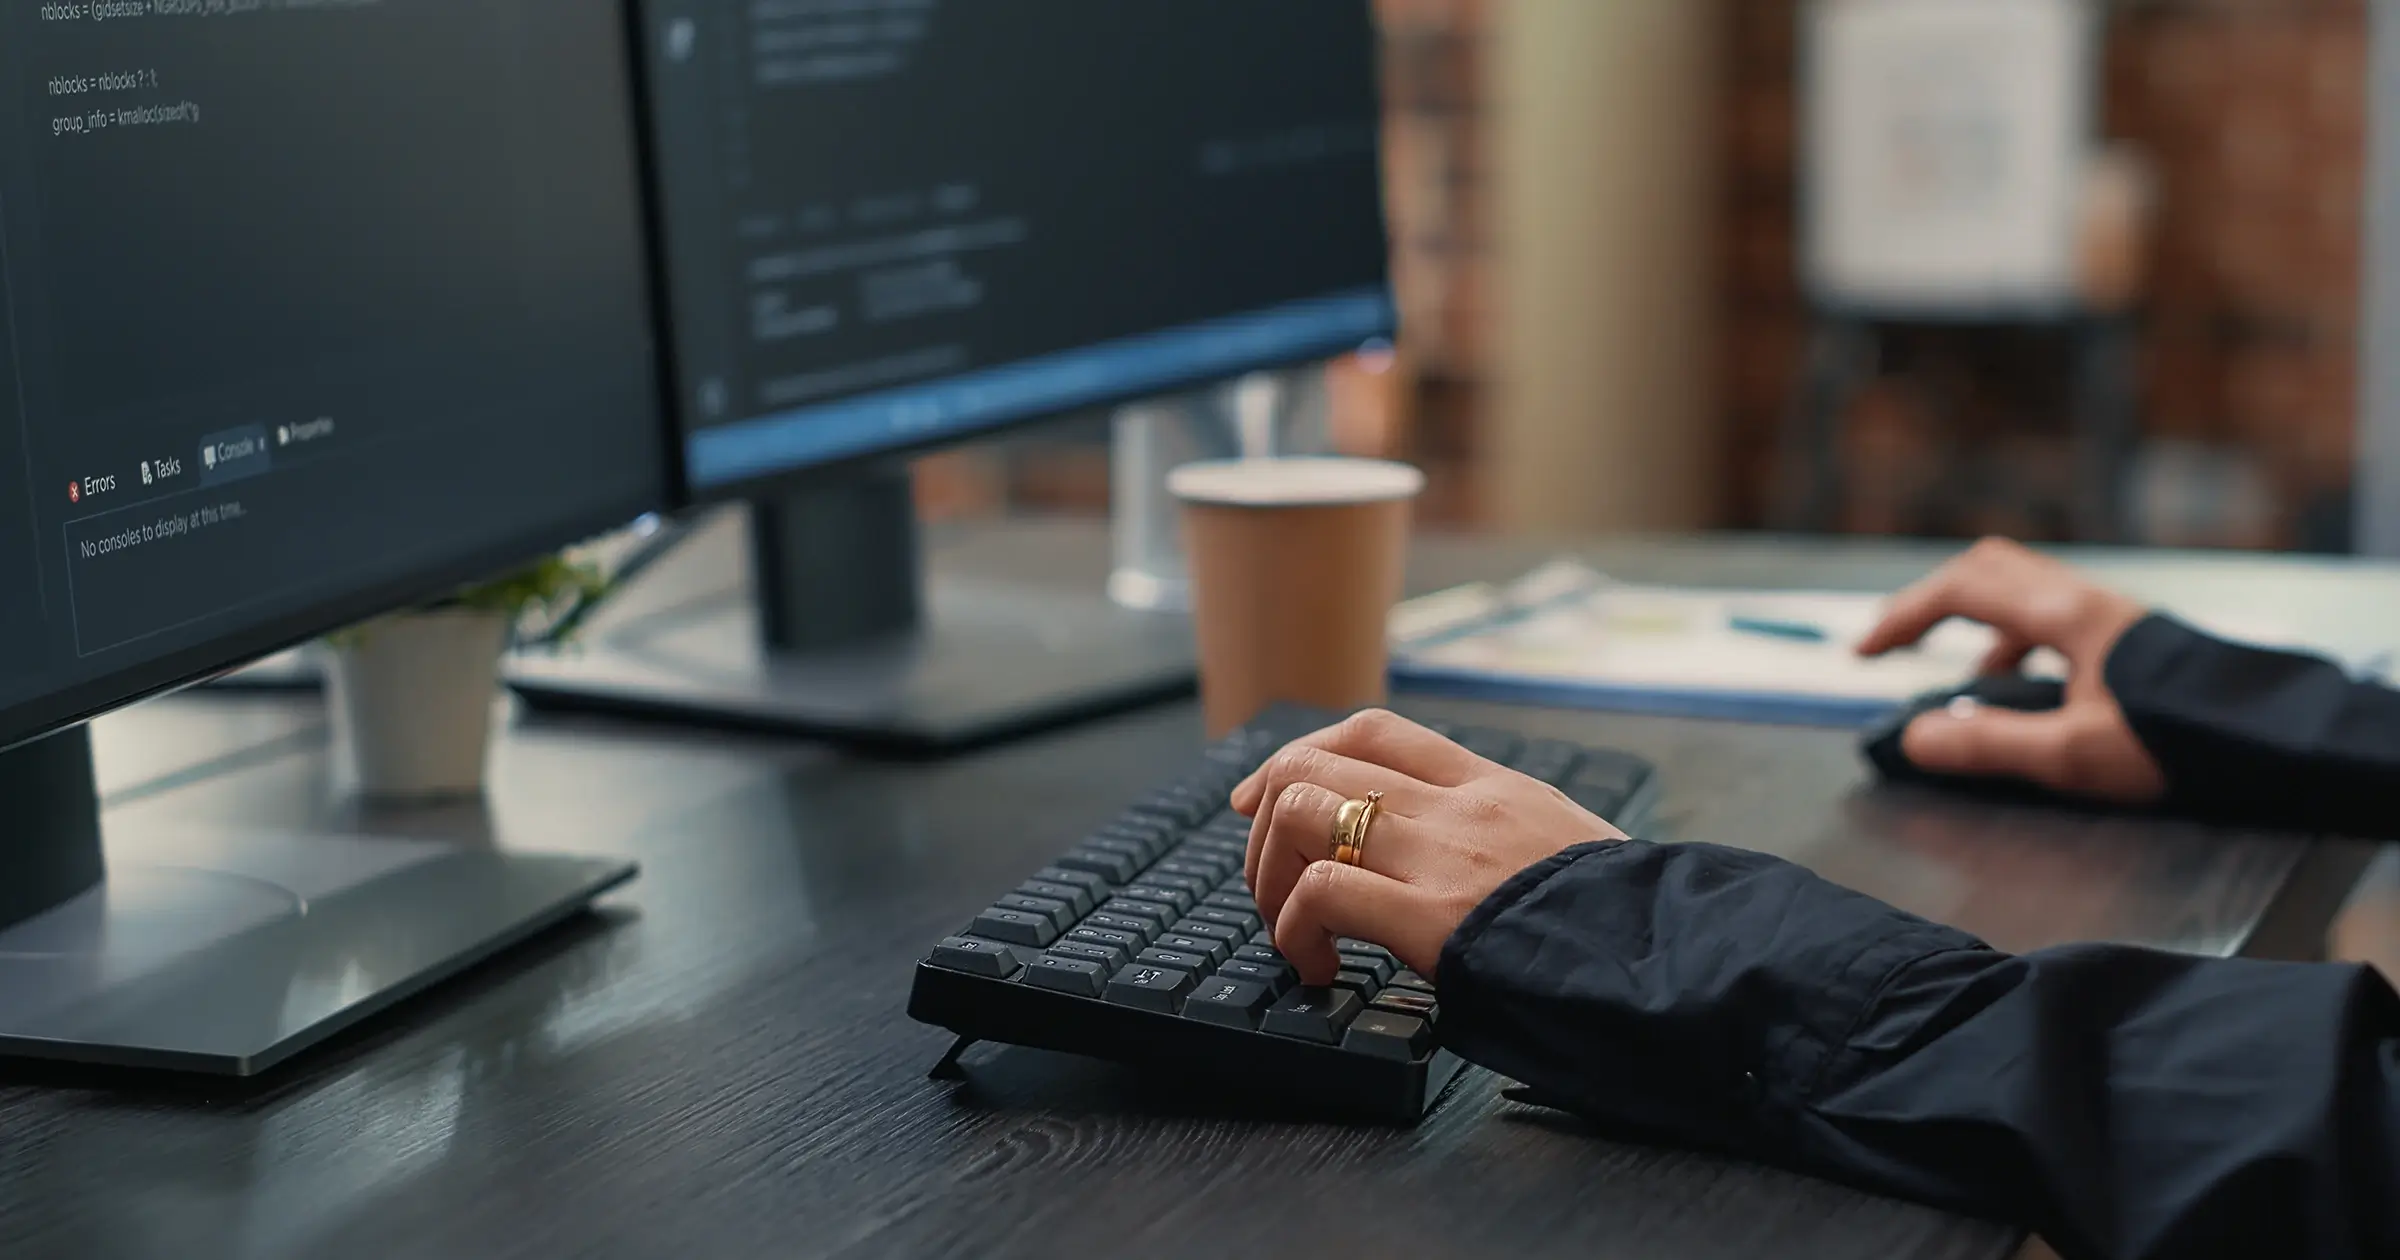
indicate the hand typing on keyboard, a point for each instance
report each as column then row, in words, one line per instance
column 1141, row 942
column 1453, row 826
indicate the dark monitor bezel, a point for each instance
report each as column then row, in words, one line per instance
column 56, row 711
column 803, row 475
column 52, row 712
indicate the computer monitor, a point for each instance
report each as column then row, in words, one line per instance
column 307, row 311
column 889, row 225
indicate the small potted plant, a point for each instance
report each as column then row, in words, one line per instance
column 411, row 694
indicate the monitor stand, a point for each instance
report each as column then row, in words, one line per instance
column 227, row 954
column 839, row 635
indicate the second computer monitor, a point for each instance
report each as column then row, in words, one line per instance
column 893, row 223
column 887, row 225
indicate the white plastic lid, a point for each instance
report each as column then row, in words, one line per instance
column 1312, row 482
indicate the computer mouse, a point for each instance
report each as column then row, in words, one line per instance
column 1881, row 742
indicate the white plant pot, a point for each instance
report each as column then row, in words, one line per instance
column 411, row 699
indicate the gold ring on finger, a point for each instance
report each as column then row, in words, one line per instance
column 1350, row 828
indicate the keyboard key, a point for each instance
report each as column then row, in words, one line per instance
column 1383, row 969
column 1405, row 1002
column 1167, row 825
column 1142, row 853
column 1214, row 781
column 1078, row 976
column 1193, row 803
column 1549, row 750
column 1199, row 888
column 1148, row 911
column 1015, row 927
column 1551, row 757
column 1387, row 1035
column 1262, row 937
column 1206, row 850
column 1210, row 874
column 1605, row 782
column 1159, row 801
column 980, row 958
column 1241, row 901
column 1144, row 826
column 1139, row 929
column 1151, row 890
column 1060, row 914
column 1489, row 744
column 1225, row 824
column 1186, row 804
column 1317, row 1015
column 1213, row 950
column 1601, row 802
column 1199, row 794
column 1177, row 959
column 1359, row 982
column 1230, row 937
column 1554, row 773
column 1242, row 922
column 1232, row 754
column 1116, row 868
column 1349, row 946
column 1273, row 978
column 1262, row 953
column 1108, row 958
column 1127, row 941
column 1151, row 988
column 1549, row 760
column 1148, row 846
column 1234, row 1003
column 1078, row 899
column 1092, row 885
column 1618, row 772
column 1411, row 980
column 1192, row 889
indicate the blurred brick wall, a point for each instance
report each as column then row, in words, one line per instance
column 1763, row 317
column 2253, row 113
column 1438, row 207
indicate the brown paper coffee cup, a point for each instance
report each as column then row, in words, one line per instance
column 1295, row 565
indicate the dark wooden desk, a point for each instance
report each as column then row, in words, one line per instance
column 718, row 1065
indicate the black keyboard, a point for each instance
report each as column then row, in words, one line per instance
column 1142, row 945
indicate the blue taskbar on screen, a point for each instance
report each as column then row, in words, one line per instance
column 820, row 433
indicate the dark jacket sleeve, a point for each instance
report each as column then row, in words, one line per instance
column 2120, row 1102
column 2259, row 735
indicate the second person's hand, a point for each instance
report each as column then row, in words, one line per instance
column 1453, row 827
column 2086, row 748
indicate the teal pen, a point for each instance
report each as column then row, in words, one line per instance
column 1768, row 627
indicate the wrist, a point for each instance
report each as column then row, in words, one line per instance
column 2111, row 617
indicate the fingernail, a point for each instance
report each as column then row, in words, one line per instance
column 1963, row 708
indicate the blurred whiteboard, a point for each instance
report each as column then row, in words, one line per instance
column 1944, row 151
